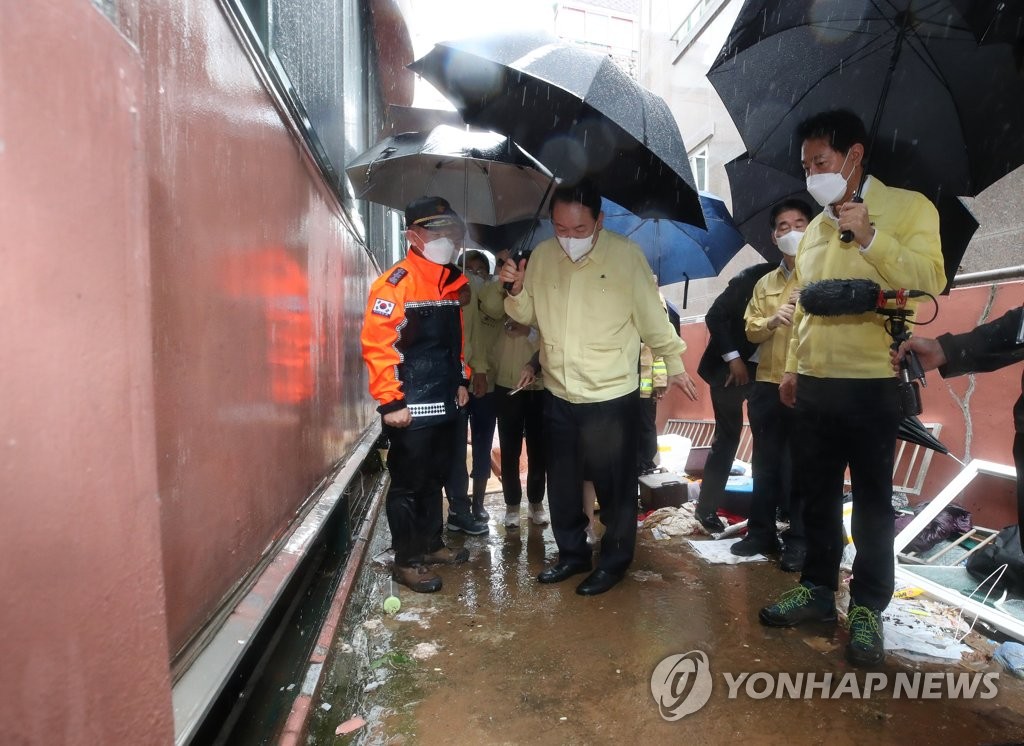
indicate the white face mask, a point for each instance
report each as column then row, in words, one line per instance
column 828, row 189
column 789, row 241
column 439, row 251
column 576, row 248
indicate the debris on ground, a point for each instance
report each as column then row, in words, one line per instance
column 718, row 552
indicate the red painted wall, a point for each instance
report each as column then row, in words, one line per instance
column 80, row 563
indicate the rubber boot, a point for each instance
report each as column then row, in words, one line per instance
column 479, row 490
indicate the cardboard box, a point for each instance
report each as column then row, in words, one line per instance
column 662, row 490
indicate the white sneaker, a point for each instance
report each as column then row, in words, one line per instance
column 512, row 517
column 537, row 515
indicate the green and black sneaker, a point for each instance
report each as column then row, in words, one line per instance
column 867, row 645
column 805, row 603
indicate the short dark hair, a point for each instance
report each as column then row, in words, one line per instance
column 472, row 255
column 841, row 127
column 789, row 204
column 583, row 192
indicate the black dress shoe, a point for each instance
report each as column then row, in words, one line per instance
column 561, row 571
column 596, row 582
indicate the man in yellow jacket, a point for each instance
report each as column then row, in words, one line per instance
column 839, row 378
column 591, row 295
column 769, row 318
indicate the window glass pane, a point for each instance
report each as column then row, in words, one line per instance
column 598, row 29
column 304, row 37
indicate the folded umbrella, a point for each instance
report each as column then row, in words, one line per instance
column 912, row 430
column 576, row 111
column 484, row 176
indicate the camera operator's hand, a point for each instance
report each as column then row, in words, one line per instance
column 738, row 373
column 510, row 273
column 929, row 353
column 787, row 389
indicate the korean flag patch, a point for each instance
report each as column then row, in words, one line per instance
column 383, row 307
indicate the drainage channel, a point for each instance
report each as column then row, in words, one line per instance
column 256, row 705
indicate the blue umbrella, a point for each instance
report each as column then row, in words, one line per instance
column 679, row 251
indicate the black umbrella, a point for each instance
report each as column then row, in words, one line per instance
column 994, row 21
column 912, row 430
column 577, row 112
column 957, row 107
column 756, row 188
column 486, row 177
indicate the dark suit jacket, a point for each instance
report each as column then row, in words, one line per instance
column 726, row 325
column 988, row 347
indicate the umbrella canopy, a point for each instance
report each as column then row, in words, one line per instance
column 576, row 111
column 958, row 107
column 756, row 188
column 678, row 251
column 484, row 176
column 994, row 21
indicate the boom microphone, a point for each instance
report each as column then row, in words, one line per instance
column 848, row 297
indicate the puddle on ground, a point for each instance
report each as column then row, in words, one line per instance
column 514, row 661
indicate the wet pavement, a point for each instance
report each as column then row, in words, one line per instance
column 497, row 658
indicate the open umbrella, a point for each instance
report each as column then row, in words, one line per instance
column 910, row 68
column 484, row 176
column 756, row 188
column 994, row 21
column 677, row 251
column 576, row 111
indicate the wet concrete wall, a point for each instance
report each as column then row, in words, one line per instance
column 258, row 290
column 82, row 614
column 975, row 411
column 181, row 302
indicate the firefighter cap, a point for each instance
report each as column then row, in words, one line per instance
column 430, row 212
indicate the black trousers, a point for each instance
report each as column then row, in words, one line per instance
column 648, row 435
column 600, row 440
column 418, row 461
column 456, row 480
column 727, row 403
column 851, row 422
column 521, row 416
column 772, row 425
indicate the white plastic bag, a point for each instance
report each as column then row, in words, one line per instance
column 673, row 451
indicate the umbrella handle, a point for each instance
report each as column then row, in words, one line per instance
column 847, row 235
